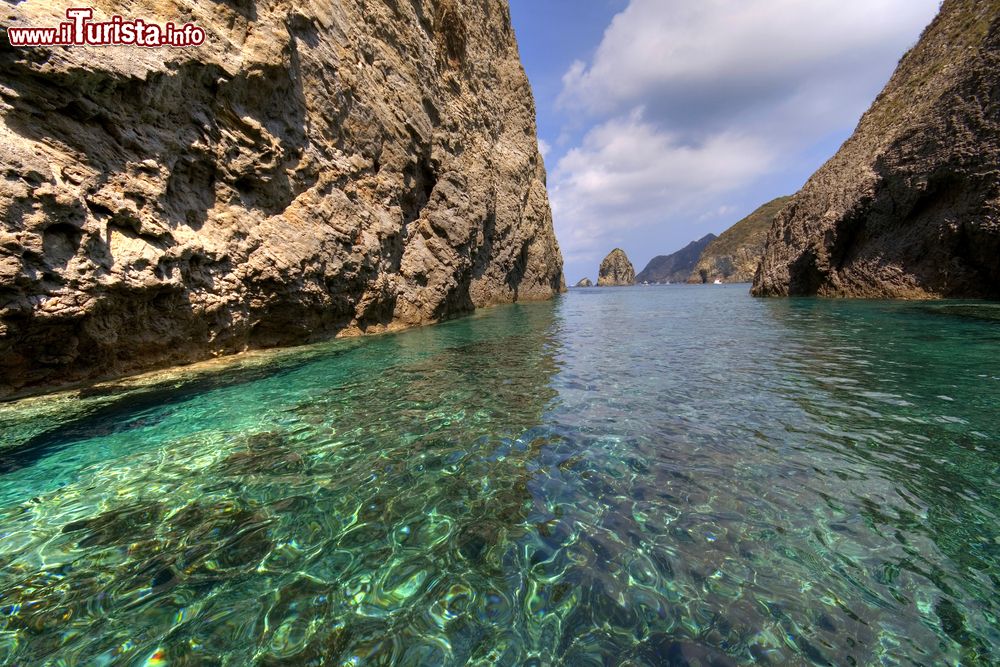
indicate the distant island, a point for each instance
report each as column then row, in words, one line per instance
column 676, row 267
column 734, row 256
column 731, row 257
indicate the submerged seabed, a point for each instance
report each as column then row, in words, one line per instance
column 623, row 476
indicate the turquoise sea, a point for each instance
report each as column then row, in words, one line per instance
column 623, row 476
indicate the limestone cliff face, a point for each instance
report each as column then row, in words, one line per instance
column 734, row 256
column 313, row 168
column 910, row 205
column 616, row 269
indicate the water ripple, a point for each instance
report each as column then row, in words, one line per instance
column 638, row 476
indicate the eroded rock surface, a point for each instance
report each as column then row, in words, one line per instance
column 313, row 168
column 910, row 205
column 616, row 269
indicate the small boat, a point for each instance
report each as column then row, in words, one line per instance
column 717, row 282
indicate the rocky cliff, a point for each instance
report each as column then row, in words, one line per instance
column 910, row 205
column 675, row 267
column 313, row 168
column 735, row 255
column 616, row 269
column 584, row 282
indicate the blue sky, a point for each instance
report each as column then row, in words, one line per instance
column 664, row 120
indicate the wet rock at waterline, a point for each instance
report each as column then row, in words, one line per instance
column 311, row 169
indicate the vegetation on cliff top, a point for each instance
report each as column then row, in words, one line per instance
column 735, row 254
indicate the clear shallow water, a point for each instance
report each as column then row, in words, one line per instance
column 640, row 476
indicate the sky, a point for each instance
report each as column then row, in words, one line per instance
column 663, row 120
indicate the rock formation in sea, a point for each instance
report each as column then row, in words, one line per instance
column 735, row 255
column 910, row 205
column 676, row 267
column 311, row 169
column 616, row 269
column 584, row 283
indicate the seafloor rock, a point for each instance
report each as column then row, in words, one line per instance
column 910, row 205
column 735, row 255
column 616, row 270
column 584, row 283
column 313, row 168
column 675, row 267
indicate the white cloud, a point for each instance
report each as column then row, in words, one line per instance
column 544, row 148
column 749, row 50
column 690, row 103
column 724, row 211
column 628, row 173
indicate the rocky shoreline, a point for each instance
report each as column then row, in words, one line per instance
column 305, row 173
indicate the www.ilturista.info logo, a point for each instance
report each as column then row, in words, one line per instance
column 80, row 30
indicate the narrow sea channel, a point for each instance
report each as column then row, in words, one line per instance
column 640, row 476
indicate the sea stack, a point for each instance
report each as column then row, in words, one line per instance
column 910, row 205
column 584, row 283
column 616, row 269
column 312, row 169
